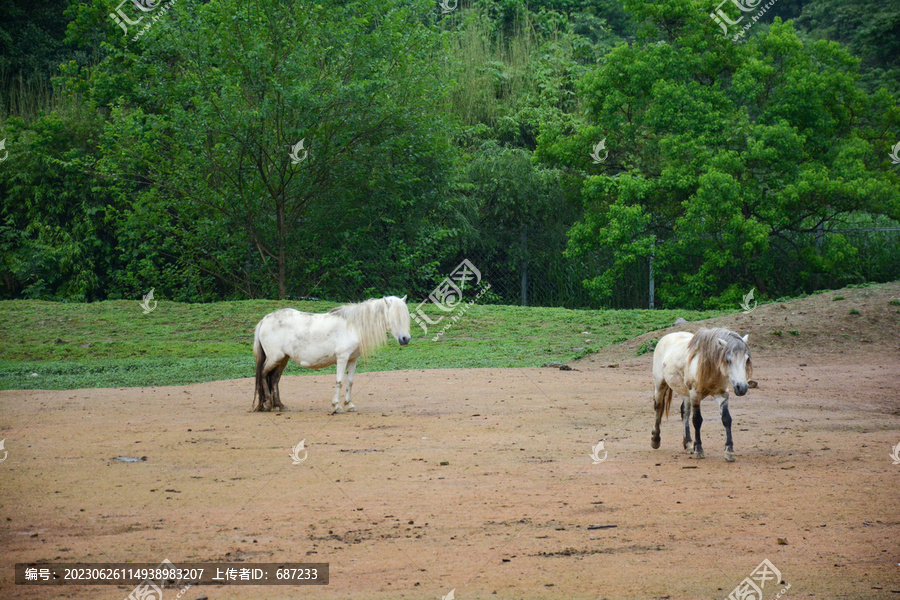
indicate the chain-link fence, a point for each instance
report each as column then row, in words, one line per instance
column 544, row 276
column 554, row 280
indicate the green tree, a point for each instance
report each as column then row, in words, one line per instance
column 31, row 49
column 721, row 154
column 870, row 29
column 219, row 95
column 57, row 229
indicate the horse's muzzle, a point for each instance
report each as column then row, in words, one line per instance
column 740, row 388
column 404, row 340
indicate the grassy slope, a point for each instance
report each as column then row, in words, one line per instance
column 109, row 344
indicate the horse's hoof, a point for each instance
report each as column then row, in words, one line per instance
column 352, row 409
column 729, row 456
column 699, row 454
column 338, row 411
column 654, row 443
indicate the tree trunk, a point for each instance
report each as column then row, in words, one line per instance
column 761, row 285
column 282, row 251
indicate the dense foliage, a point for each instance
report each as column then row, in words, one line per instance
column 724, row 155
column 161, row 156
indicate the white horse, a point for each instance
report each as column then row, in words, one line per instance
column 697, row 366
column 343, row 335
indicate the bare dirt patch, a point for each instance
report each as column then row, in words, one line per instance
column 481, row 480
column 850, row 320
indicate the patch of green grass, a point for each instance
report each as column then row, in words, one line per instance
column 113, row 344
column 777, row 332
column 867, row 284
column 894, row 301
column 853, row 311
column 647, row 347
column 837, row 298
column 129, row 372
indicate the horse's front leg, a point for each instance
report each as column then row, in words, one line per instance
column 686, row 419
column 698, row 421
column 339, row 377
column 351, row 369
column 726, row 421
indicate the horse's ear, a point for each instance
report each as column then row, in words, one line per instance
column 722, row 342
column 746, row 338
column 403, row 299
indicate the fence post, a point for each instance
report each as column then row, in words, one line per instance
column 523, row 238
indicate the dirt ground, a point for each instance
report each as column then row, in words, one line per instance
column 481, row 481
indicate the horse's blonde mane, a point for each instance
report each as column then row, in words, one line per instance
column 711, row 355
column 369, row 320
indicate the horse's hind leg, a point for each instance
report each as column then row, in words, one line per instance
column 276, row 378
column 270, row 382
column 726, row 421
column 659, row 398
column 269, row 385
column 351, row 369
column 265, row 391
column 686, row 418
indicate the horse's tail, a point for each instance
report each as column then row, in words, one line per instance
column 260, row 354
column 667, row 400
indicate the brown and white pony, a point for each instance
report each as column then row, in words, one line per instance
column 341, row 336
column 696, row 366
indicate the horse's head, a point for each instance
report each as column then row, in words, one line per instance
column 737, row 365
column 398, row 318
